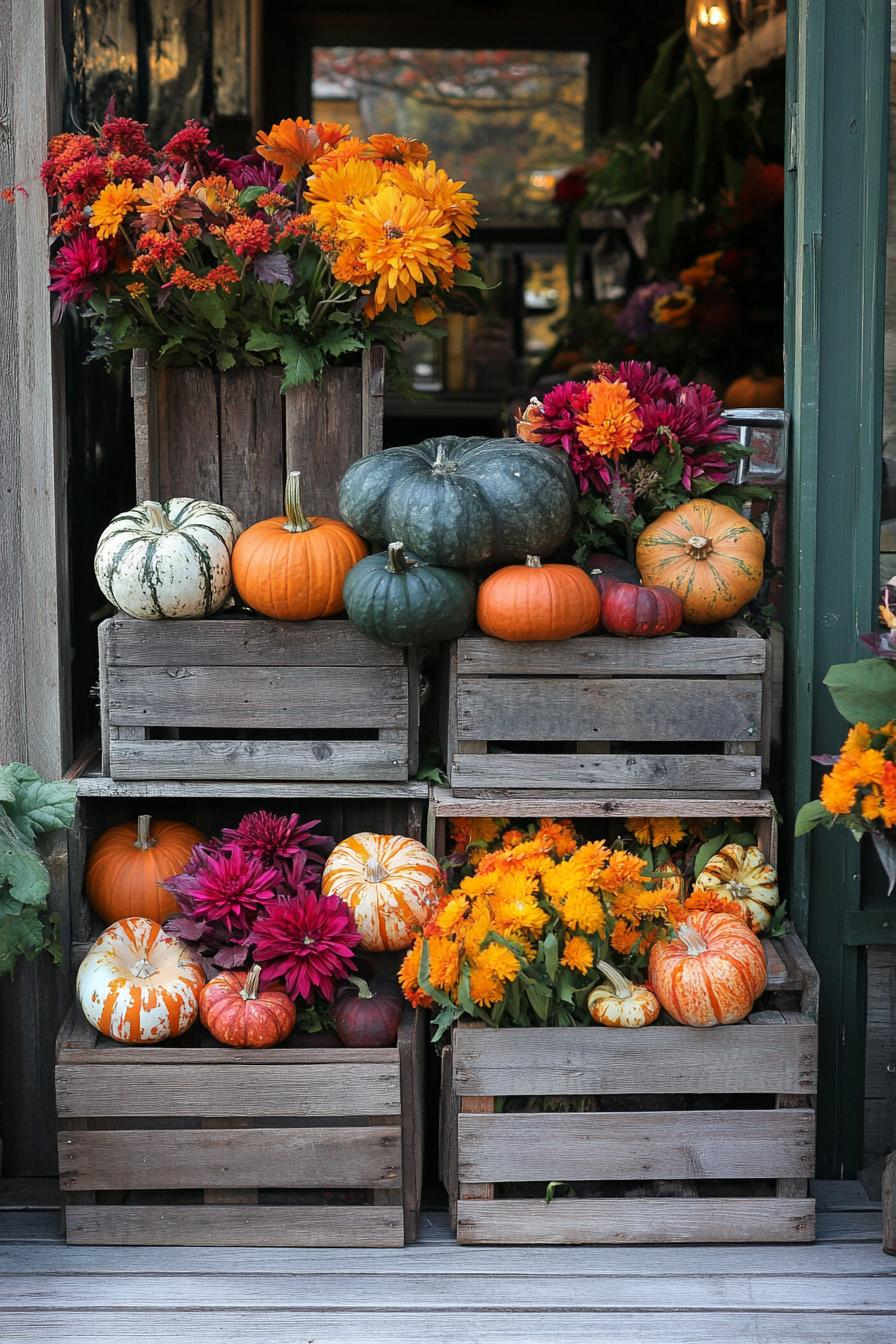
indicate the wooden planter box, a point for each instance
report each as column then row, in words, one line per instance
column 232, row 437
column 700, row 1135
column 189, row 1143
column 603, row 712
column 242, row 696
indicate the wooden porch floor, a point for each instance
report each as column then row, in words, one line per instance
column 842, row 1289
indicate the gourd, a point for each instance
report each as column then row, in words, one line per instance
column 712, row 972
column 755, row 389
column 628, row 609
column 397, row 598
column 367, row 1017
column 535, row 601
column 138, row 984
column 239, row 1014
column 669, row 873
column 708, row 554
column 292, row 568
column 168, row 560
column 618, row 1002
column 743, row 875
column 128, row 863
column 392, row 884
column 603, row 569
column 462, row 502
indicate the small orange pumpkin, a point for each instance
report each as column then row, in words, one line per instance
column 754, row 389
column 292, row 568
column 536, row 601
column 128, row 863
column 391, row 882
column 238, row 1013
column 708, row 554
column 711, row 973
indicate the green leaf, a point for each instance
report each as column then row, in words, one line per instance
column 470, row 280
column 210, row 307
column 38, row 806
column 539, row 997
column 249, row 195
column 7, row 785
column 559, row 1190
column 21, row 935
column 21, row 869
column 225, row 360
column 300, row 363
column 551, row 949
column 259, row 339
column 706, row 852
column 811, row 815
column 864, row 692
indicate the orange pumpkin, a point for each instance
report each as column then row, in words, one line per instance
column 708, row 554
column 754, row 389
column 292, row 568
column 392, row 884
column 127, row 864
column 536, row 601
column 238, row 1013
column 139, row 985
column 711, row 973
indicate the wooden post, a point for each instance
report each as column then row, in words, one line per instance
column 888, row 1204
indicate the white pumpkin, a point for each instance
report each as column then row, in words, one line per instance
column 742, row 874
column 138, row 984
column 171, row 559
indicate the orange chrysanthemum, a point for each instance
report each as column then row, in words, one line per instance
column 837, row 795
column 248, row 237
column 610, row 422
column 485, row 987
column 656, row 830
column 112, row 207
column 398, row 148
column 402, row 245
column 578, row 954
column 500, row 961
column 334, row 189
column 623, row 938
column 559, row 836
column 408, row 976
column 294, row 143
column 437, row 190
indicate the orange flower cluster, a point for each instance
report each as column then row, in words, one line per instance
column 862, row 782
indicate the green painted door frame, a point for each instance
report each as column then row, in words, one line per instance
column 838, row 72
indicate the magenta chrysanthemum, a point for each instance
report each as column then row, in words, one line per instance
column 78, row 266
column 224, row 887
column 285, row 843
column 306, row 941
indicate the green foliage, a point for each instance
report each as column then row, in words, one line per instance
column 864, row 692
column 29, row 808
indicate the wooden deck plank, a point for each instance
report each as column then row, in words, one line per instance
column 371, row 1225
column 593, row 803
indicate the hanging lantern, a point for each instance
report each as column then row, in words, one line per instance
column 710, row 29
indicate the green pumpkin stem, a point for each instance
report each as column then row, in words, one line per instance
column 250, row 988
column 295, row 517
column 158, row 518
column 533, row 562
column 622, row 988
column 699, row 548
column 144, row 839
column 396, row 563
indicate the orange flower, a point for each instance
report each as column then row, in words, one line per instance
column 398, row 148
column 112, row 207
column 403, row 244
column 530, row 424
column 837, row 795
column 164, row 201
column 425, row 311
column 610, row 423
column 248, row 237
column 137, row 289
column 583, row 911
column 485, row 987
column 623, row 938
column 578, row 954
column 559, row 836
column 444, row 963
column 713, row 900
column 334, row 189
column 500, row 961
column 436, row 189
column 294, row 143
column 467, row 831
column 408, row 976
column 671, row 310
column 217, row 194
column 656, row 830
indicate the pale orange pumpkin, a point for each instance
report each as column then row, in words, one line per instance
column 292, row 568
column 711, row 973
column 535, row 601
column 138, row 984
column 619, row 1002
column 708, row 554
column 128, row 863
column 754, row 389
column 238, row 1013
column 392, row 884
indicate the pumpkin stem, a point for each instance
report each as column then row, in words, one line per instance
column 396, row 563
column 144, row 839
column 143, row 969
column 375, row 872
column 250, row 988
column 441, row 464
column 621, row 987
column 361, row 985
column 295, row 518
column 694, row 944
column 157, row 517
column 533, row 562
column 699, row 548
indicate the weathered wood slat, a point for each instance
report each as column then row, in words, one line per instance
column 655, row 1145
column 650, row 709
column 324, row 435
column 325, row 759
column 101, row 786
column 551, row 771
column 538, row 1061
column 159, row 1090
column 351, row 1157
column 251, row 444
column 191, row 1225
column 257, row 697
column 598, row 656
column 244, row 640
column 518, row 802
column 516, row 1222
column 188, row 433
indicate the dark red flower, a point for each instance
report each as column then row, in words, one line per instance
column 307, row 941
column 77, row 267
column 224, row 887
column 83, row 182
column 570, row 188
column 186, row 145
column 287, row 844
column 126, row 135
column 134, row 166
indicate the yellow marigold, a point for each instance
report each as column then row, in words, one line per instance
column 218, row 194
column 403, row 243
column 672, row 310
column 433, row 186
column 479, row 925
column 479, row 883
column 621, row 869
column 515, row 917
column 137, row 289
column 408, row 976
column 838, row 796
column 869, row 766
column 716, row 902
column 500, row 961
column 656, row 830
column 334, row 189
column 578, row 954
column 485, row 987
column 514, row 884
column 294, row 143
column 610, row 422
column 623, row 938
column 703, row 271
column 112, row 207
column 584, row 911
column 452, row 914
column 444, row 963
column 560, row 836
column 466, row 831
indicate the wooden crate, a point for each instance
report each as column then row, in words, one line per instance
column 601, row 712
column 233, row 436
column 239, row 695
column 699, row 1136
column 189, row 1143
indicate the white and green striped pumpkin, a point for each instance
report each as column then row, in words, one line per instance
column 168, row 560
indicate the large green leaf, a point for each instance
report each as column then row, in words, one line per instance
column 21, row 935
column 37, row 806
column 811, row 815
column 21, row 870
column 864, row 692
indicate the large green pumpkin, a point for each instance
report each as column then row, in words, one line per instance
column 463, row 502
column 397, row 598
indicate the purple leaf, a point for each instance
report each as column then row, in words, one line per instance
column 825, row 760
column 886, row 852
column 272, row 268
column 182, row 926
column 228, row 957
column 880, row 643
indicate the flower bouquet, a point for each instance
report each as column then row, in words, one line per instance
column 315, row 245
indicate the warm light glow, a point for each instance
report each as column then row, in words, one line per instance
column 713, row 16
column 710, row 28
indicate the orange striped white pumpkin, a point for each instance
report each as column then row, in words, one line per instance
column 392, row 884
column 711, row 973
column 138, row 984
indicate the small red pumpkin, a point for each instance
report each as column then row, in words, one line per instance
column 601, row 566
column 629, row 609
column 367, row 1016
column 238, row 1013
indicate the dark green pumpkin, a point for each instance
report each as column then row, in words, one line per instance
column 463, row 502
column 397, row 598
